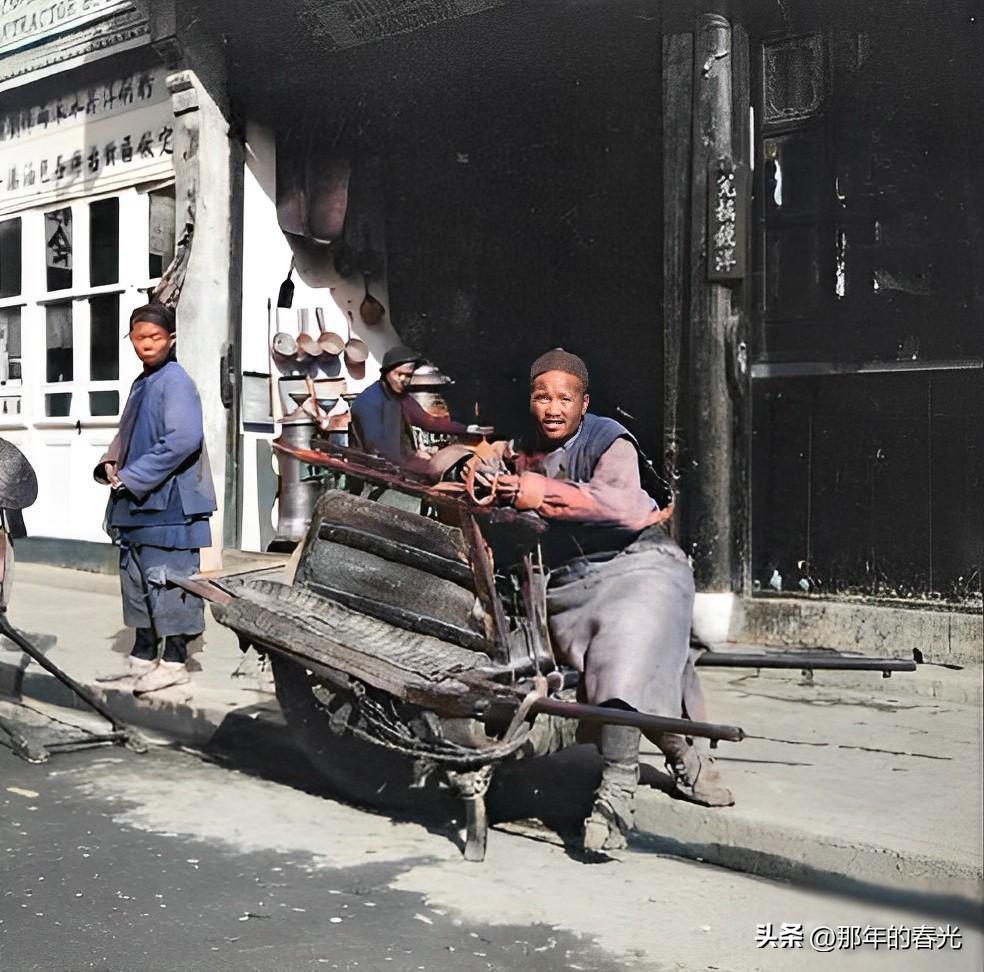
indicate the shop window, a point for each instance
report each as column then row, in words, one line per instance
column 10, row 258
column 867, row 265
column 104, row 338
column 58, row 343
column 104, row 242
column 894, row 460
column 10, row 344
column 104, row 403
column 58, row 405
column 161, row 248
column 58, row 248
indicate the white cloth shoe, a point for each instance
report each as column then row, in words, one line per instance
column 163, row 675
column 133, row 669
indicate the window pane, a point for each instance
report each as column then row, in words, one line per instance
column 161, row 230
column 58, row 342
column 58, row 248
column 869, row 452
column 10, row 343
column 104, row 403
column 58, row 405
column 10, row 257
column 104, row 337
column 104, row 242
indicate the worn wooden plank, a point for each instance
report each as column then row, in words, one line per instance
column 348, row 631
column 307, row 640
column 402, row 617
column 396, row 552
column 391, row 524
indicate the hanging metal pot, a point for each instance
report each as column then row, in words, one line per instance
column 284, row 344
column 370, row 310
column 284, row 349
column 331, row 343
column 356, row 350
column 308, row 348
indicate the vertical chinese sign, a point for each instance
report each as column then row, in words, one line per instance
column 727, row 220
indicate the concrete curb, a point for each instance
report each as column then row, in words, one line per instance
column 724, row 837
column 729, row 838
column 172, row 713
column 940, row 634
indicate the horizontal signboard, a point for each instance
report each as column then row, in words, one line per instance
column 29, row 22
column 104, row 137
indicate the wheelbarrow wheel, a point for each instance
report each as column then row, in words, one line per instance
column 355, row 769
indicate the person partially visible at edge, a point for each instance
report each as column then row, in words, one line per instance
column 385, row 411
column 620, row 594
column 161, row 498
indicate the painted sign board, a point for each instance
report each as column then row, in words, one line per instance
column 39, row 38
column 107, row 136
column 727, row 220
column 28, row 22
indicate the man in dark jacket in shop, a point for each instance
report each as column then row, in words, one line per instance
column 384, row 413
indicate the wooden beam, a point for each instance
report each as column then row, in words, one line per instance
column 678, row 58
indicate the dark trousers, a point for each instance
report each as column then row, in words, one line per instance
column 175, row 647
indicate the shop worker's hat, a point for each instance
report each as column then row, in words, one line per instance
column 558, row 359
column 18, row 483
column 398, row 356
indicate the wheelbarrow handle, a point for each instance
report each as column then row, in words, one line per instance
column 641, row 720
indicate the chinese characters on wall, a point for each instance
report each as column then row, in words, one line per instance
column 43, row 171
column 727, row 220
column 85, row 105
column 105, row 136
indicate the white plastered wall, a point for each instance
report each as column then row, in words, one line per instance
column 266, row 260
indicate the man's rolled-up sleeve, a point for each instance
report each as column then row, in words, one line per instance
column 613, row 497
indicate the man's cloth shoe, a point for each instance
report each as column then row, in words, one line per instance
column 697, row 779
column 164, row 675
column 610, row 820
column 133, row 669
column 611, row 816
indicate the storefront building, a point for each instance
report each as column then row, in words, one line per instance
column 765, row 241
column 86, row 228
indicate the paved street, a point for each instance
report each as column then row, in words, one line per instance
column 206, row 863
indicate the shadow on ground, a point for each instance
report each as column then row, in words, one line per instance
column 547, row 798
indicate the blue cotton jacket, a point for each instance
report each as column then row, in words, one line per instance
column 382, row 422
column 159, row 450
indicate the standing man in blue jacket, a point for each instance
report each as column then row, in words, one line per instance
column 159, row 506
